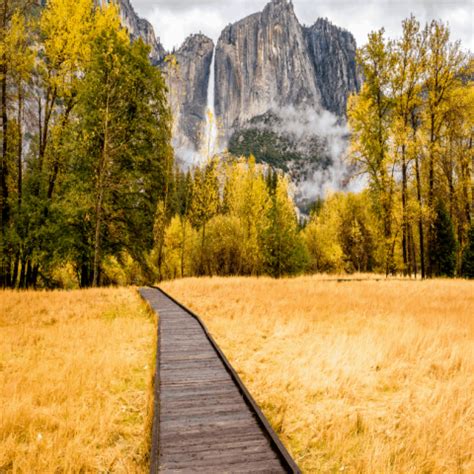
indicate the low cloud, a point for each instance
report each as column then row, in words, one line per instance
column 304, row 124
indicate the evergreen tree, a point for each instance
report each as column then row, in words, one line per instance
column 124, row 132
column 443, row 250
column 467, row 268
column 283, row 248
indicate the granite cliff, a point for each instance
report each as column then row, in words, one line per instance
column 262, row 63
column 275, row 83
column 333, row 51
column 141, row 28
column 280, row 89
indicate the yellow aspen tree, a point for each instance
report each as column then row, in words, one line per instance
column 246, row 196
column 370, row 120
column 20, row 56
column 443, row 65
column 205, row 203
column 65, row 32
column 321, row 237
column 457, row 156
column 409, row 57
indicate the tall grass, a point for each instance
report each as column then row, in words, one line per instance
column 360, row 377
column 75, row 381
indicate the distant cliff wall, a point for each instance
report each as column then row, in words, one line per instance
column 141, row 28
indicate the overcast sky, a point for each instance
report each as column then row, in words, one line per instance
column 173, row 20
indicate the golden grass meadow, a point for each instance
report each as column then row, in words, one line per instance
column 75, row 381
column 356, row 377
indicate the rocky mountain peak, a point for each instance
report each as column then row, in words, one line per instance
column 276, row 8
column 196, row 43
column 262, row 63
column 280, row 90
column 333, row 53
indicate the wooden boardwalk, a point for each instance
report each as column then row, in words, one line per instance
column 204, row 418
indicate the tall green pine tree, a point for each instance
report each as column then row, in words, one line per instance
column 467, row 268
column 443, row 249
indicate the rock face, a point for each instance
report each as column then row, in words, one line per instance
column 262, row 63
column 141, row 28
column 187, row 75
column 280, row 90
column 332, row 51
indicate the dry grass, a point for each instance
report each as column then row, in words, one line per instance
column 75, row 378
column 366, row 377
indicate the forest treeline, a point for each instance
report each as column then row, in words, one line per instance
column 91, row 195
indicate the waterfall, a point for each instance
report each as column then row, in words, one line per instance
column 210, row 146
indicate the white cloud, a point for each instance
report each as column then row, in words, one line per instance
column 176, row 19
column 173, row 27
column 360, row 18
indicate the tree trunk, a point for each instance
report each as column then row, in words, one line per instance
column 404, row 212
column 16, row 264
column 22, row 280
column 420, row 203
column 28, row 273
column 431, row 194
column 34, row 276
column 5, row 209
column 413, row 251
column 201, row 263
column 100, row 197
column 44, row 129
column 20, row 146
column 55, row 171
column 98, row 226
column 183, row 246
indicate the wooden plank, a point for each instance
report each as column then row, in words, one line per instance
column 234, row 439
column 178, row 411
column 208, row 436
column 203, row 400
column 190, row 423
column 199, row 390
column 226, row 460
column 257, row 446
